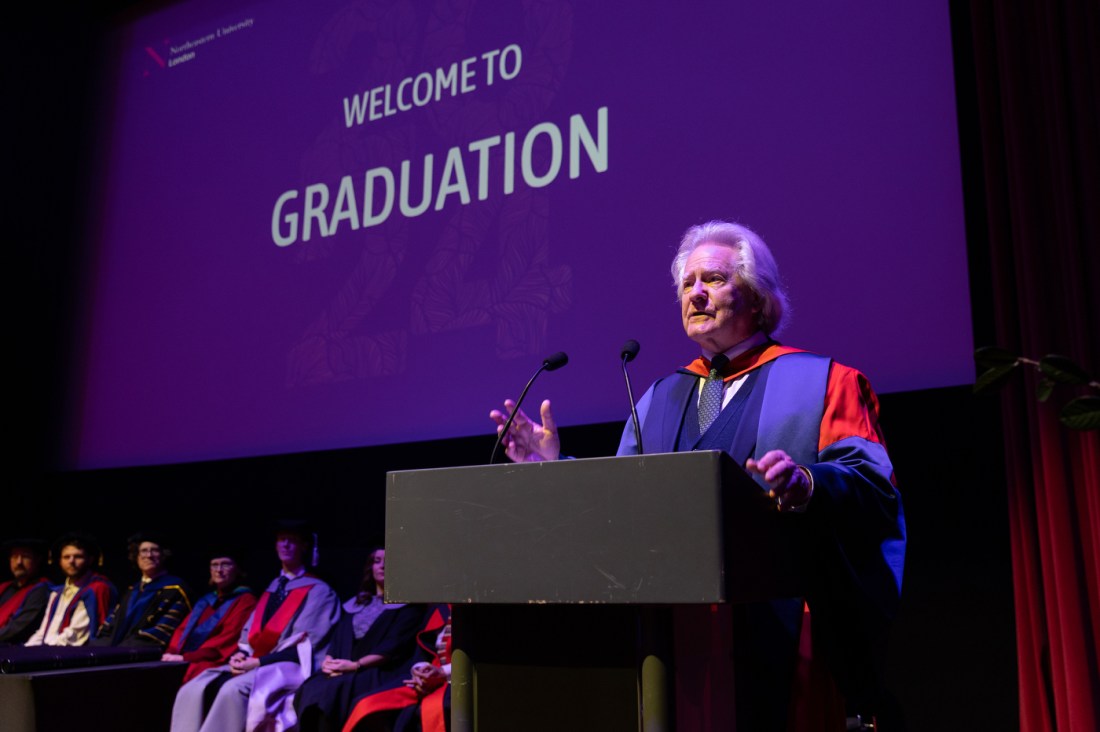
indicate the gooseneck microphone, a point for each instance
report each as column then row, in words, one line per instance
column 630, row 350
column 550, row 363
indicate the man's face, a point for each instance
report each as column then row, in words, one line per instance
column 25, row 564
column 74, row 562
column 290, row 548
column 223, row 572
column 715, row 309
column 150, row 558
column 378, row 567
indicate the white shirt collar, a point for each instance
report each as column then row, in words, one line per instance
column 758, row 338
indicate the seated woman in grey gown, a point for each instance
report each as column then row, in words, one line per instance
column 371, row 643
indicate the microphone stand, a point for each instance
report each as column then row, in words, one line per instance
column 553, row 362
column 630, row 350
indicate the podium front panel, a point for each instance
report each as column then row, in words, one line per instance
column 650, row 529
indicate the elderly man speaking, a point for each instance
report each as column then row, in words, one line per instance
column 807, row 429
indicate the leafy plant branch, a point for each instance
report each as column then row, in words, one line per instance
column 1079, row 413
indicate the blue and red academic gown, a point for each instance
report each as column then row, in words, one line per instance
column 825, row 416
column 209, row 634
column 395, row 695
column 21, row 609
column 95, row 593
column 289, row 643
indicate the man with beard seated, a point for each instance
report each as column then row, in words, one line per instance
column 78, row 607
column 23, row 599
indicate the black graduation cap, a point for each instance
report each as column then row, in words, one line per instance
column 36, row 546
column 303, row 529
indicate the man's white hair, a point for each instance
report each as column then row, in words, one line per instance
column 756, row 267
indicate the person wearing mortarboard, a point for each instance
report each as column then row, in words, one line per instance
column 23, row 598
column 153, row 607
column 282, row 644
column 209, row 634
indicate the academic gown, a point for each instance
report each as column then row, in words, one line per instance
column 324, row 702
column 21, row 609
column 289, row 644
column 430, row 713
column 825, row 416
column 95, row 594
column 208, row 636
column 147, row 615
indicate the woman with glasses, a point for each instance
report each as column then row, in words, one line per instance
column 209, row 635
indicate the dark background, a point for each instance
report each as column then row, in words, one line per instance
column 953, row 660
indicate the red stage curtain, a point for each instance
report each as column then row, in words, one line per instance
column 1036, row 71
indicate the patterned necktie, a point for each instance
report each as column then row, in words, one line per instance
column 280, row 591
column 276, row 598
column 710, row 399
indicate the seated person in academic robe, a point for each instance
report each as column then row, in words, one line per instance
column 371, row 643
column 209, row 634
column 281, row 645
column 153, row 607
column 421, row 700
column 23, row 598
column 77, row 608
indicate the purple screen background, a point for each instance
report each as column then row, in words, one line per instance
column 830, row 130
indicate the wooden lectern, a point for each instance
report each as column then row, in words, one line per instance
column 563, row 576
